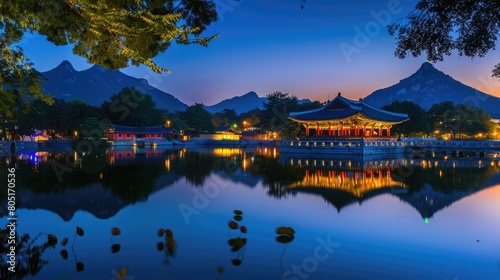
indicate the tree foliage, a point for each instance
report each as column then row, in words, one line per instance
column 133, row 108
column 19, row 82
column 197, row 120
column 417, row 124
column 460, row 119
column 112, row 33
column 439, row 27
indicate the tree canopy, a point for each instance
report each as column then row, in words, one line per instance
column 131, row 107
column 460, row 119
column 439, row 27
column 197, row 119
column 417, row 124
column 111, row 33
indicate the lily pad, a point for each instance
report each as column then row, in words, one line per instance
column 115, row 231
column 64, row 254
column 115, row 248
column 79, row 231
column 285, row 238
column 285, row 230
column 232, row 224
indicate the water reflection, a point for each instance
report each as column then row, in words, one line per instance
column 428, row 185
column 106, row 182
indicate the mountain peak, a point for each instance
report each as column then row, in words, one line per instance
column 427, row 66
column 251, row 94
column 429, row 86
column 66, row 66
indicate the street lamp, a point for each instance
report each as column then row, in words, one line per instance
column 244, row 125
column 168, row 123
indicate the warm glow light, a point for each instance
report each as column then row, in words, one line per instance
column 167, row 164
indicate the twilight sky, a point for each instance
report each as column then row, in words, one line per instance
column 266, row 46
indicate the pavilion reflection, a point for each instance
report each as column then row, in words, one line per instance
column 428, row 185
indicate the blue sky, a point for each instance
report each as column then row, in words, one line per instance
column 267, row 46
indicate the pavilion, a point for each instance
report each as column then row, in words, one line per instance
column 343, row 117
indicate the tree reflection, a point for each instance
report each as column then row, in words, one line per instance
column 28, row 254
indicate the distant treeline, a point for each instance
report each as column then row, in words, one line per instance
column 131, row 107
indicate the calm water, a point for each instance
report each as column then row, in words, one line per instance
column 430, row 218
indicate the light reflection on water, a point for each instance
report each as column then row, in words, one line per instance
column 386, row 219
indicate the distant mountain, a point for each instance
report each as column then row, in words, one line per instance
column 97, row 84
column 243, row 103
column 429, row 86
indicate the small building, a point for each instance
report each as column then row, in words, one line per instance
column 134, row 133
column 343, row 117
column 224, row 132
column 254, row 135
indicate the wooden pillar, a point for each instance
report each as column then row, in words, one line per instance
column 388, row 131
column 364, row 130
column 307, row 129
column 318, row 133
column 380, row 131
column 341, row 130
column 372, row 129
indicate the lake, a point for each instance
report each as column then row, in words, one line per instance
column 227, row 213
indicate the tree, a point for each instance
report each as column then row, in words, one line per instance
column 112, row 33
column 19, row 83
column 274, row 116
column 460, row 119
column 438, row 27
column 226, row 117
column 197, row 120
column 131, row 107
column 417, row 123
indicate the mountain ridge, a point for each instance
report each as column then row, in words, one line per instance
column 97, row 84
column 429, row 86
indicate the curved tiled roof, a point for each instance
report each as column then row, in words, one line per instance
column 340, row 108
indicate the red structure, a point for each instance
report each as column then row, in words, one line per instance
column 122, row 132
column 343, row 117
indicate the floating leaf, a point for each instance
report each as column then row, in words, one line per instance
column 238, row 212
column 171, row 244
column 115, row 248
column 238, row 218
column 236, row 261
column 79, row 231
column 79, row 266
column 169, row 233
column 115, row 231
column 237, row 243
column 160, row 246
column 219, row 269
column 64, row 241
column 285, row 230
column 243, row 229
column 161, row 232
column 64, row 254
column 285, row 238
column 232, row 224
column 52, row 238
column 121, row 274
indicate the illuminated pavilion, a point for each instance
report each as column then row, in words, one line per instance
column 343, row 117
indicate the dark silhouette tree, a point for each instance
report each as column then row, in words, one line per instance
column 417, row 124
column 439, row 27
column 197, row 120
